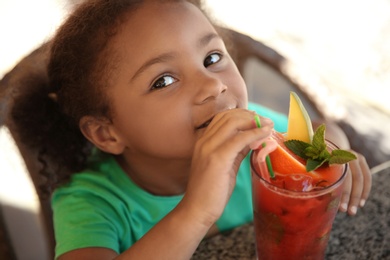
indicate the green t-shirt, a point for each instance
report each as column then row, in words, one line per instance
column 103, row 207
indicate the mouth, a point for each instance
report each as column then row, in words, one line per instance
column 205, row 124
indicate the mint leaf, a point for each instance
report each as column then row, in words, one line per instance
column 312, row 152
column 324, row 154
column 316, row 153
column 319, row 138
column 340, row 157
column 298, row 147
column 312, row 165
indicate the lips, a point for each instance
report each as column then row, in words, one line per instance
column 205, row 124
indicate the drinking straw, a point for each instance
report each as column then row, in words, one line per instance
column 267, row 159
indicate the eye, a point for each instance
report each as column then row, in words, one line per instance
column 212, row 59
column 163, row 82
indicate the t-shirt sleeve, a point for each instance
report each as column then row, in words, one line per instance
column 82, row 220
column 279, row 119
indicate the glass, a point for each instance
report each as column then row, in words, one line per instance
column 294, row 224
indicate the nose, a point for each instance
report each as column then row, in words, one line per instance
column 209, row 87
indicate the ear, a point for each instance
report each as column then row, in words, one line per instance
column 102, row 134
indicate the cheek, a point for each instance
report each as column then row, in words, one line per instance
column 157, row 132
column 162, row 142
column 242, row 89
column 238, row 87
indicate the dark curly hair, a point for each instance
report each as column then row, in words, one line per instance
column 47, row 106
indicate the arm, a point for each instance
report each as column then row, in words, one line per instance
column 216, row 159
column 177, row 231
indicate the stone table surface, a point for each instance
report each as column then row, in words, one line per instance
column 364, row 236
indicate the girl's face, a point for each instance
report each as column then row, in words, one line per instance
column 172, row 77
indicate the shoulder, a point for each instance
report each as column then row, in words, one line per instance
column 100, row 183
column 102, row 207
column 88, row 211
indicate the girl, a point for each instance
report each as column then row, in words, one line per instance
column 146, row 105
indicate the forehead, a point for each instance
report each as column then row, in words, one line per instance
column 156, row 23
column 162, row 13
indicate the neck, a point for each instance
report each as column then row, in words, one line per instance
column 157, row 176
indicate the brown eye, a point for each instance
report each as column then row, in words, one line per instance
column 212, row 59
column 163, row 82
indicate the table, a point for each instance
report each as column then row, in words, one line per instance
column 364, row 236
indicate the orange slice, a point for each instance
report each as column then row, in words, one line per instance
column 285, row 161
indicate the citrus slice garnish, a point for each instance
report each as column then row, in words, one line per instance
column 283, row 160
column 299, row 123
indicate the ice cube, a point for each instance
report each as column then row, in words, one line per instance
column 298, row 182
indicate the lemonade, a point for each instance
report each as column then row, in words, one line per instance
column 296, row 198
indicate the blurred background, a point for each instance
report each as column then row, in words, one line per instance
column 346, row 43
column 340, row 48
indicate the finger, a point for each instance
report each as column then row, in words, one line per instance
column 226, row 125
column 357, row 187
column 245, row 139
column 259, row 121
column 367, row 179
column 259, row 143
column 346, row 192
column 239, row 118
column 230, row 140
column 264, row 121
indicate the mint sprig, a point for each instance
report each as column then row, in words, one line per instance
column 316, row 153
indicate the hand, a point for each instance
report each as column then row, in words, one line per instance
column 357, row 185
column 217, row 158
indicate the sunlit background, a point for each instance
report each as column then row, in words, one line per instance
column 344, row 43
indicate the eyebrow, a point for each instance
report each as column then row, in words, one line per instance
column 159, row 59
column 171, row 55
column 207, row 38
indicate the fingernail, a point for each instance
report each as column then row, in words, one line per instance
column 254, row 123
column 353, row 210
column 362, row 203
column 344, row 206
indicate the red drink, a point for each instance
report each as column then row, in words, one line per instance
column 294, row 213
